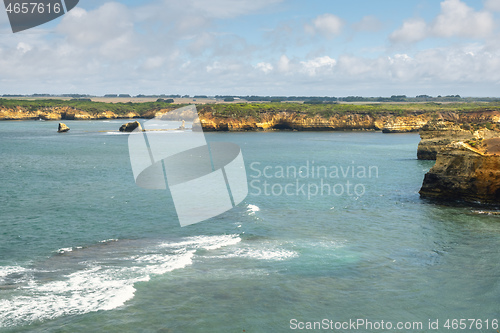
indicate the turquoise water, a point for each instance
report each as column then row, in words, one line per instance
column 83, row 249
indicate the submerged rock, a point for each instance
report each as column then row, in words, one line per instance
column 63, row 128
column 129, row 127
column 467, row 171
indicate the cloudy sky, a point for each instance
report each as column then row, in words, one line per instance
column 259, row 47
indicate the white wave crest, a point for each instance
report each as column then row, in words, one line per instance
column 102, row 284
column 267, row 254
column 64, row 250
column 8, row 270
column 117, row 133
column 251, row 209
column 206, row 242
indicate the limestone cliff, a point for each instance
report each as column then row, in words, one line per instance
column 301, row 118
column 436, row 135
column 466, row 171
column 404, row 124
column 58, row 113
column 299, row 122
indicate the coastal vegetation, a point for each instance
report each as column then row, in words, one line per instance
column 320, row 108
column 326, row 110
column 86, row 105
column 86, row 108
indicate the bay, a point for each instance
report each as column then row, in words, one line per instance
column 82, row 248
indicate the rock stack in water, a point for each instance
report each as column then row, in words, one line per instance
column 467, row 171
column 63, row 128
column 129, row 127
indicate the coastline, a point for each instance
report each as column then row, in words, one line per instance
column 388, row 118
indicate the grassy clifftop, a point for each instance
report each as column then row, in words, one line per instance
column 85, row 105
column 247, row 110
column 256, row 110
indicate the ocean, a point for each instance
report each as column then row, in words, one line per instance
column 332, row 236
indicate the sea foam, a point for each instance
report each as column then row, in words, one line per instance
column 103, row 282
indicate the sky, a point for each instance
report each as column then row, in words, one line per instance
column 259, row 47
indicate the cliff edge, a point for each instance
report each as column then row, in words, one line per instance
column 437, row 134
column 467, row 171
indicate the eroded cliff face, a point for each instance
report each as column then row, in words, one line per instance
column 58, row 113
column 436, row 129
column 464, row 172
column 436, row 135
column 301, row 122
column 404, row 124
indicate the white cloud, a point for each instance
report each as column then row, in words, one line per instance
column 201, row 42
column 413, row 30
column 215, row 66
column 402, row 67
column 264, row 67
column 354, row 68
column 493, row 5
column 23, row 47
column 153, row 63
column 438, row 69
column 318, row 65
column 192, row 24
column 111, row 20
column 368, row 23
column 182, row 48
column 456, row 19
column 223, row 69
column 227, row 8
column 284, row 64
column 328, row 25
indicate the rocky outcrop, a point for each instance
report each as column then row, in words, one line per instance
column 63, row 128
column 288, row 121
column 436, row 135
column 59, row 113
column 129, row 127
column 387, row 122
column 467, row 171
column 280, row 117
column 404, row 124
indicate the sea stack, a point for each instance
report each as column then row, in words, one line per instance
column 466, row 171
column 129, row 127
column 62, row 128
